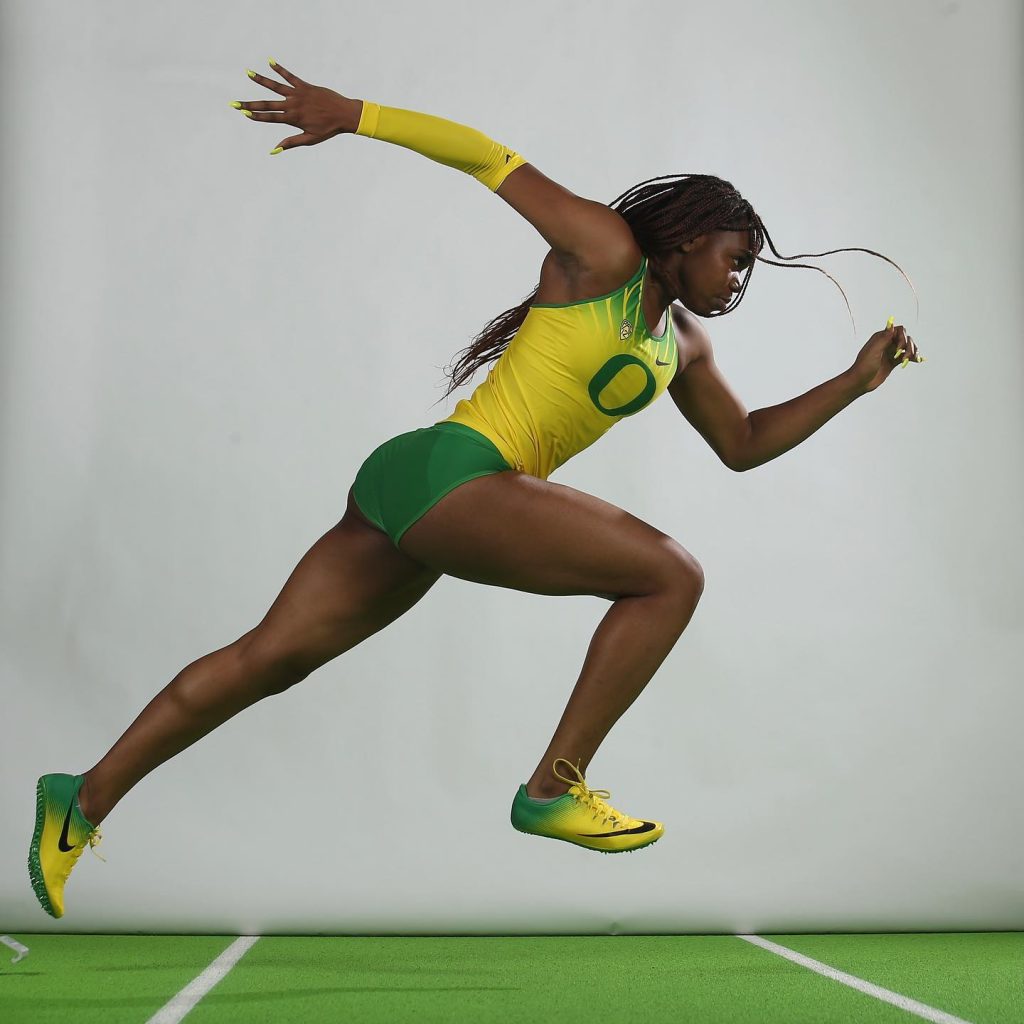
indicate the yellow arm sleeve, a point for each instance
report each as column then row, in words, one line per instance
column 454, row 145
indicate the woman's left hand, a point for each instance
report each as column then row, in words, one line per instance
column 883, row 352
column 320, row 113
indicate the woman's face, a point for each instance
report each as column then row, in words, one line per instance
column 710, row 269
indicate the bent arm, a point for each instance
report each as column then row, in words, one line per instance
column 778, row 428
column 745, row 440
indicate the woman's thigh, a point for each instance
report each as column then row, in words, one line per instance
column 515, row 530
column 349, row 585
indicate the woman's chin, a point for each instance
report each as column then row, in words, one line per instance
column 712, row 307
column 705, row 311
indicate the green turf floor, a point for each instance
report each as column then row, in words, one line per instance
column 81, row 979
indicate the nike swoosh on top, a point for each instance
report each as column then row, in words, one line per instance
column 660, row 363
column 62, row 843
column 645, row 827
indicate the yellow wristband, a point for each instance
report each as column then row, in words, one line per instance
column 368, row 119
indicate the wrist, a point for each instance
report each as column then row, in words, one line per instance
column 351, row 114
column 854, row 384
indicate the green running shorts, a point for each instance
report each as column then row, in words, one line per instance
column 409, row 473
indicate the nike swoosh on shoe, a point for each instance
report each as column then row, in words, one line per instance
column 645, row 827
column 62, row 843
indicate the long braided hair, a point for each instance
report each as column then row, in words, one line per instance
column 663, row 213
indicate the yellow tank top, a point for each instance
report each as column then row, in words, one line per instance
column 569, row 374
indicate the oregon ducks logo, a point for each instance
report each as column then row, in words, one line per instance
column 606, row 376
column 625, row 331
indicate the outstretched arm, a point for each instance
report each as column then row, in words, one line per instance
column 574, row 227
column 446, row 142
column 581, row 229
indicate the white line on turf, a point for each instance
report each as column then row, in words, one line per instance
column 910, row 1005
column 18, row 948
column 173, row 1011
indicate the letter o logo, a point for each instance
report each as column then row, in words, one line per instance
column 609, row 372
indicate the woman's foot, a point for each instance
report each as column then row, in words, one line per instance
column 582, row 817
column 61, row 834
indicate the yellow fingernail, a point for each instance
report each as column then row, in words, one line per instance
column 251, row 74
column 274, row 152
column 273, row 63
column 889, row 324
column 905, row 361
column 899, row 352
column 248, row 113
column 921, row 360
column 236, row 105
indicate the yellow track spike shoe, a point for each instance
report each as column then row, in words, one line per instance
column 582, row 817
column 60, row 837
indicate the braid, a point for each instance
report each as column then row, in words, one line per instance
column 662, row 213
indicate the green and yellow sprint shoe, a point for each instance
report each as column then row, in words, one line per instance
column 582, row 817
column 60, row 837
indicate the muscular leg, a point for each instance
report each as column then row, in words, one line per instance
column 348, row 586
column 517, row 531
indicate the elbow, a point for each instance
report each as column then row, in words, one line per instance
column 737, row 459
column 732, row 459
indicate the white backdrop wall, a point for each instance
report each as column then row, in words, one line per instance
column 192, row 373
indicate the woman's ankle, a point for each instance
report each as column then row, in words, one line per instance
column 88, row 805
column 545, row 790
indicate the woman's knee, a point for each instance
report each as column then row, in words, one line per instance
column 269, row 668
column 680, row 571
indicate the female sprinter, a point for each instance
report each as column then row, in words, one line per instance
column 600, row 338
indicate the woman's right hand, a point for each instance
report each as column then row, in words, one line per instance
column 881, row 354
column 321, row 113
